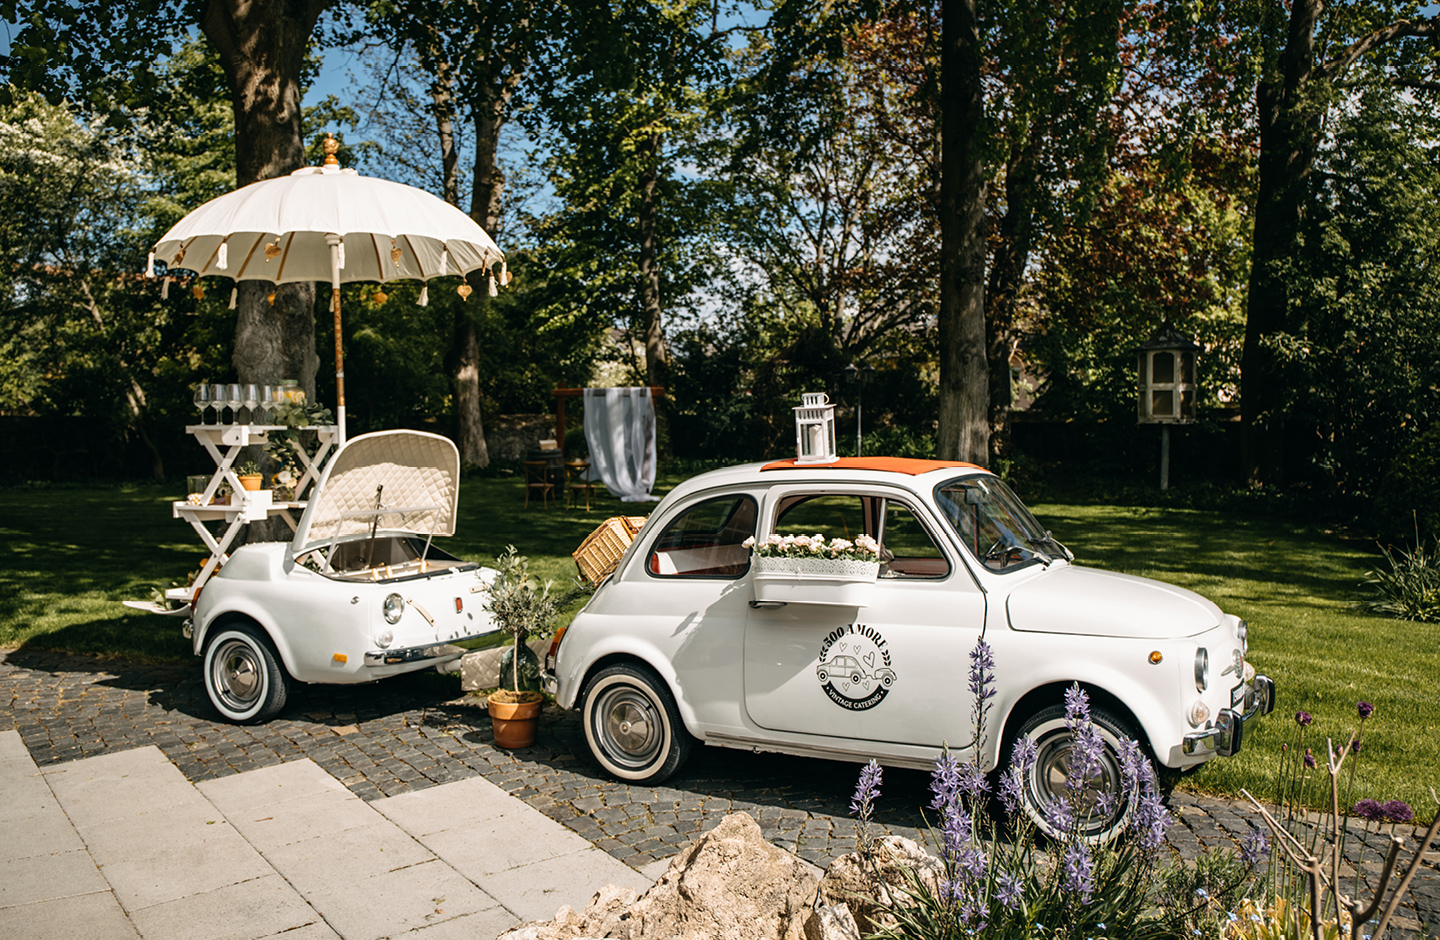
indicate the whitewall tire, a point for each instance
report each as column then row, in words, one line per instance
column 632, row 725
column 243, row 676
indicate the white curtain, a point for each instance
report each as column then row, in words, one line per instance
column 620, row 429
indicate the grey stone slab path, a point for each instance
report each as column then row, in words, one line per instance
column 122, row 845
column 392, row 743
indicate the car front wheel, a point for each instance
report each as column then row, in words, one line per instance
column 1047, row 782
column 632, row 725
column 243, row 675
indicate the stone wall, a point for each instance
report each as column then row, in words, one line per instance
column 508, row 437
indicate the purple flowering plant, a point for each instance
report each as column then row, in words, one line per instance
column 1316, row 888
column 1088, row 862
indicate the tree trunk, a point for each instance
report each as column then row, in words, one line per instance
column 262, row 47
column 1007, row 273
column 964, row 380
column 1289, row 125
column 442, row 98
column 657, row 359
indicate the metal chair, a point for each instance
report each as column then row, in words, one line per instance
column 537, row 477
column 575, row 482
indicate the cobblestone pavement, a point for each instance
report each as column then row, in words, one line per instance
column 413, row 732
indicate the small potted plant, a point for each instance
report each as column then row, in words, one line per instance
column 250, row 476
column 523, row 608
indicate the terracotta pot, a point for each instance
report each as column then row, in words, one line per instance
column 251, row 481
column 514, row 723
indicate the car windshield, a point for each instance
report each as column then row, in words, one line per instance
column 994, row 525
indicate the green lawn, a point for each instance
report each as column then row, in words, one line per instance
column 75, row 552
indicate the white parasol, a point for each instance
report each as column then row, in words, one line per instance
column 328, row 223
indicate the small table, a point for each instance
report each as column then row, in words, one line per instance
column 576, row 472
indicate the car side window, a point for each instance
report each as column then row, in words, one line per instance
column 833, row 516
column 906, row 545
column 706, row 540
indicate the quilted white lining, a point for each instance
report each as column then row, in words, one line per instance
column 416, row 469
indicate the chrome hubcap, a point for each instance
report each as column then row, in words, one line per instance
column 1054, row 768
column 628, row 723
column 237, row 674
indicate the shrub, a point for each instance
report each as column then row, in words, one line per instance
column 1410, row 588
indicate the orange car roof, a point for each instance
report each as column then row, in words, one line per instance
column 908, row 465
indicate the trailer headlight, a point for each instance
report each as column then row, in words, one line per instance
column 1202, row 669
column 394, row 606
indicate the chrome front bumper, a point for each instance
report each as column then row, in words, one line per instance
column 1226, row 734
column 413, row 654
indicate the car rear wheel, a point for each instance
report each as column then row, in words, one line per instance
column 1047, row 782
column 632, row 725
column 243, row 675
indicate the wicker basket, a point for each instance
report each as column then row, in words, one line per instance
column 598, row 555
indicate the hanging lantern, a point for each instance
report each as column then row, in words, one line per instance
column 1166, row 370
column 815, row 429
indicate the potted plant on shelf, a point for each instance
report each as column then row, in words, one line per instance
column 807, row 569
column 250, row 476
column 523, row 608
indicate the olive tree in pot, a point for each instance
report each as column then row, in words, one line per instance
column 524, row 608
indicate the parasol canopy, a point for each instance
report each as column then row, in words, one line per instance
column 331, row 224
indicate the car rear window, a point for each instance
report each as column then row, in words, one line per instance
column 706, row 540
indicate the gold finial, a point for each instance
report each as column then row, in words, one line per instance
column 464, row 290
column 272, row 250
column 380, row 297
column 198, row 292
column 271, row 298
column 330, row 145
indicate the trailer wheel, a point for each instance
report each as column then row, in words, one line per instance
column 243, row 675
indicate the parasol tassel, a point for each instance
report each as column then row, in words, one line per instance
column 445, row 262
column 222, row 257
column 504, row 274
column 150, row 266
column 425, row 295
column 494, row 291
column 165, row 288
column 234, row 295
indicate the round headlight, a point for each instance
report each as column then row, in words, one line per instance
column 394, row 606
column 1242, row 633
column 384, row 638
column 1202, row 669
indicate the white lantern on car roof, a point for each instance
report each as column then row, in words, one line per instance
column 815, row 429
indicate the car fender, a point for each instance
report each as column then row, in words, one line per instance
column 1150, row 706
column 629, row 647
column 250, row 610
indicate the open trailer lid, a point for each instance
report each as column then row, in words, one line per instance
column 408, row 480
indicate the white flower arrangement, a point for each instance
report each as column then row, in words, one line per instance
column 863, row 548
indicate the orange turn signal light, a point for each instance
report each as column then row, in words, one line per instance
column 1155, row 657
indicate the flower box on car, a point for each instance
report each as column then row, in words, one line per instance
column 360, row 593
column 811, row 570
column 707, row 632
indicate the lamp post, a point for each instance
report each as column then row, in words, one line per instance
column 1166, row 374
column 859, row 375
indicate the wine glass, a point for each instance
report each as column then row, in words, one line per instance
column 251, row 399
column 202, row 400
column 217, row 401
column 234, row 397
column 267, row 403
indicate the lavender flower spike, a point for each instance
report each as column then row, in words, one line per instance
column 1078, row 871
column 867, row 789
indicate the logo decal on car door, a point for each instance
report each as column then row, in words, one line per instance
column 854, row 668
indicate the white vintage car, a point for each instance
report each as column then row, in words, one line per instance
column 360, row 593
column 687, row 642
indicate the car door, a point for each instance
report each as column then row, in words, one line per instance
column 894, row 671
